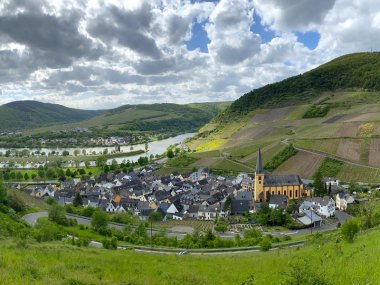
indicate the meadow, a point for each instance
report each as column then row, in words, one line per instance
column 325, row 258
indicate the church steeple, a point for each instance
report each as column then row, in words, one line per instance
column 259, row 164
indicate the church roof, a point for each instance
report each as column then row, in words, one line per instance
column 259, row 164
column 282, row 180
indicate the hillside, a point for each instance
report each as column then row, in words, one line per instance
column 39, row 117
column 332, row 111
column 360, row 70
column 163, row 117
column 32, row 114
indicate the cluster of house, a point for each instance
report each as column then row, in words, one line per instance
column 199, row 195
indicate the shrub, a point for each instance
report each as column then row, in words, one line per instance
column 47, row 231
column 99, row 220
column 265, row 244
column 349, row 230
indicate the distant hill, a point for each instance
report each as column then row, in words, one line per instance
column 32, row 114
column 40, row 117
column 359, row 70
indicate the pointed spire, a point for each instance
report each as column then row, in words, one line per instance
column 259, row 164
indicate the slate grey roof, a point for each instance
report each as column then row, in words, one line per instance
column 240, row 206
column 279, row 200
column 282, row 180
column 259, row 164
column 244, row 195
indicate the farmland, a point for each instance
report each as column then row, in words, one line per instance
column 304, row 164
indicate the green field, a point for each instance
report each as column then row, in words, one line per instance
column 334, row 262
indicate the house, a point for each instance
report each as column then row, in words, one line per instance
column 331, row 181
column 192, row 212
column 310, row 219
column 206, row 212
column 111, row 207
column 242, row 202
column 343, row 200
column 278, row 201
column 324, row 206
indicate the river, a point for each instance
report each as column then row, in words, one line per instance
column 154, row 148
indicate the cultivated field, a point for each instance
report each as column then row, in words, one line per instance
column 349, row 149
column 348, row 130
column 303, row 164
column 374, row 153
column 351, row 172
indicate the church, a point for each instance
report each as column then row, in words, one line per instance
column 266, row 184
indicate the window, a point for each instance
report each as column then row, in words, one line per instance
column 296, row 195
column 272, row 192
column 278, row 192
column 290, row 193
column 285, row 192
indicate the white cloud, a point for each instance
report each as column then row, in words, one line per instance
column 108, row 53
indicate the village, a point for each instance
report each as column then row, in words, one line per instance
column 202, row 195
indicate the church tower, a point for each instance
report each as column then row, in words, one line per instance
column 259, row 180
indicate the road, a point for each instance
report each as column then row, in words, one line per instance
column 32, row 218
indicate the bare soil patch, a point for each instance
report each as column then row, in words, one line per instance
column 349, row 149
column 374, row 153
column 304, row 164
column 271, row 115
column 334, row 119
column 349, row 129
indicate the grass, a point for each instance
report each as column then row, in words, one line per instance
column 230, row 165
column 58, row 263
column 330, row 167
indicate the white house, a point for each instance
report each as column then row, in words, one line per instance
column 323, row 206
column 342, row 200
column 110, row 208
column 206, row 212
column 331, row 181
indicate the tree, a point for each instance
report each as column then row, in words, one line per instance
column 227, row 204
column 170, row 154
column 155, row 216
column 26, row 176
column 56, row 214
column 16, row 203
column 99, row 220
column 76, row 152
column 3, row 194
column 319, row 187
column 19, row 176
column 78, row 201
column 349, row 230
column 101, row 161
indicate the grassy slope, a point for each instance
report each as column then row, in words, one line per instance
column 347, row 130
column 55, row 263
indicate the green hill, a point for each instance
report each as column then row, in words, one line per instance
column 359, row 70
column 332, row 110
column 32, row 114
column 41, row 117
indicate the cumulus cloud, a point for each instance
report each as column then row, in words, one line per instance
column 100, row 54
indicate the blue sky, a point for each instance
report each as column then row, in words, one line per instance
column 200, row 39
column 94, row 54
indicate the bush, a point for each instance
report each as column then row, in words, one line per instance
column 15, row 202
column 265, row 244
column 349, row 230
column 99, row 221
column 47, row 231
column 110, row 243
column 281, row 157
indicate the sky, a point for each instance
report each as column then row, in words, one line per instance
column 95, row 54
